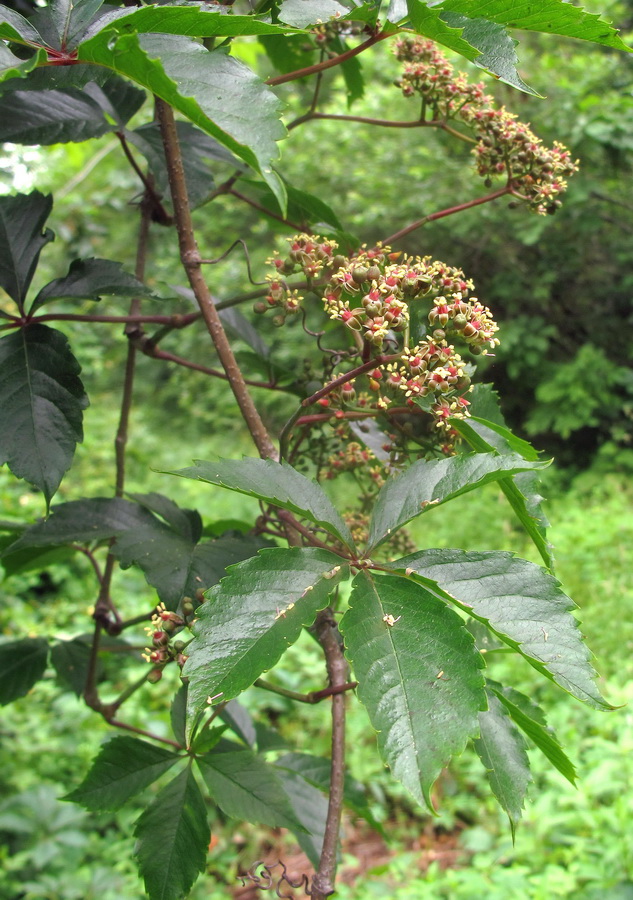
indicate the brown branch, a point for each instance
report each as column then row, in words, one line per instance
column 191, row 261
column 174, row 321
column 328, row 63
column 382, row 123
column 447, row 212
column 147, row 347
column 312, row 697
column 329, row 637
column 154, row 737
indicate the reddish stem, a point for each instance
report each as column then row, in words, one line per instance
column 329, row 63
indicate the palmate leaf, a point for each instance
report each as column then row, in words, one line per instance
column 62, row 23
column 428, row 483
column 419, row 677
column 275, row 483
column 89, row 279
column 255, row 613
column 502, row 750
column 521, row 602
column 123, row 768
column 246, row 787
column 41, row 404
column 22, row 236
column 22, row 664
column 173, row 839
column 216, row 92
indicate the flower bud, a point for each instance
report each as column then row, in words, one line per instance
column 359, row 274
column 154, row 676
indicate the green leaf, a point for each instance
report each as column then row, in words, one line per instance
column 239, row 720
column 428, row 483
column 178, row 714
column 287, row 53
column 41, row 403
column 22, row 664
column 124, row 767
column 501, row 748
column 33, row 559
column 246, row 787
column 495, row 46
column 254, row 614
column 522, row 603
column 549, row 16
column 521, row 491
column 164, row 548
column 275, row 483
column 22, row 236
column 198, row 149
column 89, row 279
column 310, row 808
column 50, row 117
column 216, row 92
column 71, row 661
column 301, row 14
column 173, row 839
column 13, row 67
column 14, row 27
column 419, row 677
column 521, row 714
column 63, row 22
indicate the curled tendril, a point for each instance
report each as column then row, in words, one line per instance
column 260, row 875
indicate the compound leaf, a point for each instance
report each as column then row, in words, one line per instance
column 22, row 664
column 246, row 787
column 428, row 483
column 419, row 675
column 123, row 768
column 275, row 483
column 41, row 405
column 252, row 616
column 523, row 605
column 173, row 839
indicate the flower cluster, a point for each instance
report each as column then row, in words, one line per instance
column 504, row 146
column 354, row 457
column 163, row 625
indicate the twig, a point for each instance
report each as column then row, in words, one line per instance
column 191, row 261
column 382, row 123
column 147, row 347
column 328, row 63
column 154, row 737
column 447, row 212
column 265, row 210
column 313, row 697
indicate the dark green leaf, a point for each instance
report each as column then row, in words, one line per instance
column 240, row 328
column 14, row 27
column 254, row 614
column 185, row 522
column 549, row 16
column 123, row 768
column 276, row 483
column 63, row 22
column 22, row 236
column 33, row 558
column 216, row 92
column 419, row 676
column 288, row 53
column 178, row 714
column 310, row 808
column 537, row 733
column 501, row 748
column 316, row 770
column 522, row 603
column 50, row 117
column 173, row 839
column 428, row 483
column 211, row 559
column 239, row 720
column 22, row 664
column 198, row 149
column 89, row 279
column 41, row 403
column 71, row 661
column 246, row 787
